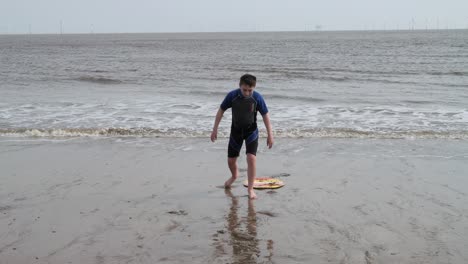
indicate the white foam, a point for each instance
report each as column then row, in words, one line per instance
column 184, row 133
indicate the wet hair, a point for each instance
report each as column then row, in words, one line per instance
column 248, row 79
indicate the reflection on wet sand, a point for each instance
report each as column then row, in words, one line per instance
column 242, row 235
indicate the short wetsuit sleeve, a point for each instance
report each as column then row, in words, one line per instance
column 227, row 102
column 261, row 105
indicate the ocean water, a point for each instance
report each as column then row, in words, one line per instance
column 387, row 84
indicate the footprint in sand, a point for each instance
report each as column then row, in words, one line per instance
column 180, row 212
column 172, row 226
column 268, row 213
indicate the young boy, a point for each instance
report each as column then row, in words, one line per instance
column 245, row 103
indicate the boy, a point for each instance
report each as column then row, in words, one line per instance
column 245, row 103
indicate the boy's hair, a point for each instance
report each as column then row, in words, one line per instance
column 248, row 79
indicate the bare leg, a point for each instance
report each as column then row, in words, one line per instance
column 251, row 171
column 232, row 163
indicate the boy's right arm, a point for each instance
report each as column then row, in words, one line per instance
column 219, row 116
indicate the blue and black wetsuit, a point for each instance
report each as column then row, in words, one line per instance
column 244, row 121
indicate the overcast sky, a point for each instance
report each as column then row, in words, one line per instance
column 84, row 16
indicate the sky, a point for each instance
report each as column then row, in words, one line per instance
column 122, row 16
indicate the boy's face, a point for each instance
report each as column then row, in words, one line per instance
column 246, row 90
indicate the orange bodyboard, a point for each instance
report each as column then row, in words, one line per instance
column 266, row 183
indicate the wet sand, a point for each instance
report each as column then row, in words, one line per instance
column 159, row 201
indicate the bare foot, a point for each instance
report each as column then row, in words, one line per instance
column 229, row 182
column 252, row 195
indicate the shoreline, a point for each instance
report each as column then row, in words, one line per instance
column 148, row 200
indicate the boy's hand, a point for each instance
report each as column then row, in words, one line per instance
column 214, row 135
column 270, row 141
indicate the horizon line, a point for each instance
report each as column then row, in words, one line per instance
column 217, row 32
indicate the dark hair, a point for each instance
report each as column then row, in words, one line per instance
column 248, row 79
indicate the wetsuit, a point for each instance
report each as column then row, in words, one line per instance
column 244, row 121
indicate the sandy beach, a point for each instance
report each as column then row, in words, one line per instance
column 159, row 200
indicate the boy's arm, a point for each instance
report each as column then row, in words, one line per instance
column 219, row 116
column 266, row 120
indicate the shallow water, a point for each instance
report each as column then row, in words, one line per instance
column 387, row 84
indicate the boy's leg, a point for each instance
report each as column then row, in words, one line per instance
column 232, row 163
column 251, row 174
column 235, row 145
column 251, row 145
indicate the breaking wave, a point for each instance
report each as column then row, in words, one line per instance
column 187, row 133
column 100, row 80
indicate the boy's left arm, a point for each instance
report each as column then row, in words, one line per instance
column 266, row 120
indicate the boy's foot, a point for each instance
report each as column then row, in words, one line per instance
column 252, row 195
column 229, row 182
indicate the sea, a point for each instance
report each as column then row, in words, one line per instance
column 349, row 84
